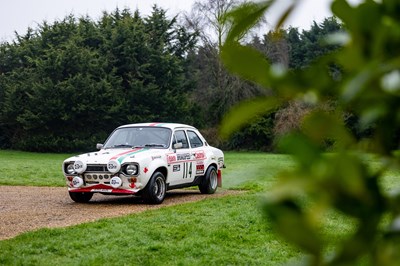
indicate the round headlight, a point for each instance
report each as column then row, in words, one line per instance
column 70, row 169
column 131, row 169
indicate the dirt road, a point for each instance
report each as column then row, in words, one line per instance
column 25, row 209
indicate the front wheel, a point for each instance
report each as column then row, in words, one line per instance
column 210, row 181
column 155, row 191
column 81, row 197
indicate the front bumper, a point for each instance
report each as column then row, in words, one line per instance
column 101, row 188
column 103, row 183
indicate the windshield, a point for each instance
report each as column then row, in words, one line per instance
column 135, row 137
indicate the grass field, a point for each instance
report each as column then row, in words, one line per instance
column 220, row 231
column 31, row 169
column 244, row 170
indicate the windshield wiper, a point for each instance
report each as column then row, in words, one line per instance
column 155, row 145
column 121, row 146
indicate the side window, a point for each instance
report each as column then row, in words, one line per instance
column 194, row 139
column 180, row 136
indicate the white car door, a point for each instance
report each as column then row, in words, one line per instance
column 198, row 150
column 181, row 163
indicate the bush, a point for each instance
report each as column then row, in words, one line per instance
column 258, row 136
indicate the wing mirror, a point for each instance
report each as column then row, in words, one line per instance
column 178, row 145
column 99, row 146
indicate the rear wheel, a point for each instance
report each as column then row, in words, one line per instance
column 81, row 197
column 156, row 189
column 210, row 181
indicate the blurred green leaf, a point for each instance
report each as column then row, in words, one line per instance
column 356, row 85
column 294, row 225
column 372, row 114
column 344, row 11
column 394, row 201
column 338, row 38
column 245, row 17
column 245, row 112
column 394, row 227
column 285, row 15
column 302, row 148
column 321, row 126
column 345, row 180
column 247, row 62
column 391, row 82
column 388, row 252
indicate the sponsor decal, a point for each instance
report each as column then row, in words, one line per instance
column 200, row 169
column 183, row 156
column 176, row 168
column 171, row 158
column 200, row 155
column 155, row 157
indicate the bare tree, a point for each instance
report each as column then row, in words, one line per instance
column 206, row 17
column 217, row 90
column 277, row 48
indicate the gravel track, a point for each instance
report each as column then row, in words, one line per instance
column 25, row 209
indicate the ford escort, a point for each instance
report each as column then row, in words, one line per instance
column 147, row 160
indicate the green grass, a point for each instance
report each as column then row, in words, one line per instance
column 227, row 231
column 253, row 171
column 31, row 169
column 219, row 231
column 244, row 170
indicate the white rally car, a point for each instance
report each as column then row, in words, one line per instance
column 145, row 159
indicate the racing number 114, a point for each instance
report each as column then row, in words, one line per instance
column 187, row 170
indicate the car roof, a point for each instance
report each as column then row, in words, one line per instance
column 159, row 124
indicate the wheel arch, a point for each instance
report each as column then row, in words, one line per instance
column 163, row 170
column 158, row 166
column 211, row 164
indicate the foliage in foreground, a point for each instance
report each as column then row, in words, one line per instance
column 369, row 87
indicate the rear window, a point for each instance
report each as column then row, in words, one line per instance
column 194, row 139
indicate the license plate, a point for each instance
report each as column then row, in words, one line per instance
column 102, row 190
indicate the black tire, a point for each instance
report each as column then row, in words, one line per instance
column 210, row 181
column 156, row 189
column 81, row 197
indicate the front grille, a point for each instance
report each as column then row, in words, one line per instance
column 99, row 168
